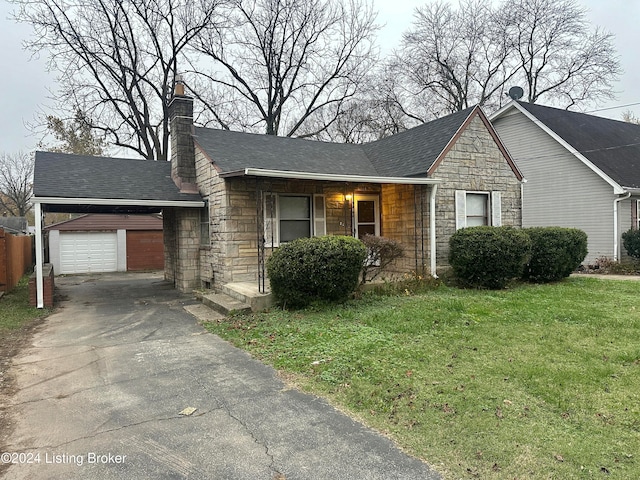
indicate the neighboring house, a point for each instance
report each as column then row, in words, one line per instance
column 15, row 225
column 106, row 243
column 582, row 171
column 259, row 191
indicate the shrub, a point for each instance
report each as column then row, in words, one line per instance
column 631, row 243
column 319, row 268
column 555, row 253
column 381, row 253
column 488, row 257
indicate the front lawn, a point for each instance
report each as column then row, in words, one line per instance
column 532, row 382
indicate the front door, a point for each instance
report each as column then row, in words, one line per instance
column 367, row 215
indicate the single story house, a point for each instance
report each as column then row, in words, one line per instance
column 229, row 198
column 582, row 171
column 106, row 243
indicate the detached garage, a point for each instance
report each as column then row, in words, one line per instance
column 106, row 243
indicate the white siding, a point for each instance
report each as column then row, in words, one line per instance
column 625, row 215
column 560, row 189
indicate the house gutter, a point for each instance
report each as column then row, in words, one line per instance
column 616, row 246
column 432, row 230
column 295, row 175
column 118, row 202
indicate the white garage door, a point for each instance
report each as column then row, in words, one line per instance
column 87, row 252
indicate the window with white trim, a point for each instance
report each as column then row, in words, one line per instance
column 475, row 209
column 291, row 216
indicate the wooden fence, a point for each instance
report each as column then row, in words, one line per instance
column 16, row 258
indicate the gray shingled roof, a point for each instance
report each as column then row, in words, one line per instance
column 412, row 152
column 406, row 154
column 235, row 151
column 81, row 176
column 612, row 145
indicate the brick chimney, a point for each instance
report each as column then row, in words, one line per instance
column 183, row 163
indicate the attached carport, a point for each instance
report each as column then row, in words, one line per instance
column 85, row 184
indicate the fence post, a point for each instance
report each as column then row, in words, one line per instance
column 3, row 262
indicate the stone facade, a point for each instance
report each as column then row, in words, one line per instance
column 229, row 252
column 474, row 163
column 182, row 147
column 181, row 227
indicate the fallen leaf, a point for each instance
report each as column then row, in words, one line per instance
column 446, row 408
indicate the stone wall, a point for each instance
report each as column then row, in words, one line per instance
column 232, row 255
column 404, row 219
column 182, row 245
column 474, row 163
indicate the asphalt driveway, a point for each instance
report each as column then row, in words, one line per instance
column 103, row 386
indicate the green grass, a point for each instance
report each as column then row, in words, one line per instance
column 532, row 382
column 15, row 310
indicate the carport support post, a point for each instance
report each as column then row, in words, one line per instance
column 39, row 259
column 432, row 230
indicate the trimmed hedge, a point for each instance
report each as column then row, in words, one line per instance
column 488, row 257
column 319, row 268
column 631, row 243
column 555, row 253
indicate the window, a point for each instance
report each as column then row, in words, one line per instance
column 205, row 239
column 478, row 208
column 287, row 217
column 295, row 217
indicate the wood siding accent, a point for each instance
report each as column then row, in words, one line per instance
column 15, row 258
column 145, row 250
column 560, row 190
column 108, row 222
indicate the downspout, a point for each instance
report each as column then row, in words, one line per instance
column 432, row 229
column 615, row 224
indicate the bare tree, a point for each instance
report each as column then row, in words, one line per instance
column 74, row 135
column 559, row 56
column 284, row 62
column 16, row 179
column 456, row 57
column 117, row 60
column 630, row 117
column 377, row 111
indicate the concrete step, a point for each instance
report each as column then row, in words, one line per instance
column 247, row 292
column 224, row 304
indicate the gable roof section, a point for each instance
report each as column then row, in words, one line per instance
column 121, row 180
column 408, row 154
column 611, row 148
column 414, row 151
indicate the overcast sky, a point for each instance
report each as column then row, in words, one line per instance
column 24, row 80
